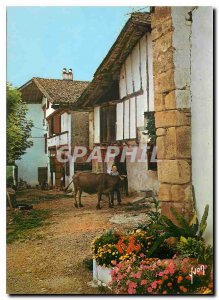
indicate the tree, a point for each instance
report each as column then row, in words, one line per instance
column 18, row 127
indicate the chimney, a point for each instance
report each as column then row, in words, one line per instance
column 67, row 75
column 70, row 74
column 64, row 73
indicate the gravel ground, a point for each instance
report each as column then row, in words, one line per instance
column 50, row 261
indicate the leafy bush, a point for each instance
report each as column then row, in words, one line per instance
column 192, row 247
column 10, row 181
column 167, row 228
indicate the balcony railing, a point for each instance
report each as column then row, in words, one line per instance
column 59, row 139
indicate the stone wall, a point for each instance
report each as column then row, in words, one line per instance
column 80, row 128
column 172, row 110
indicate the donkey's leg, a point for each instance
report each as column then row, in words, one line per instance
column 76, row 191
column 99, row 198
column 80, row 204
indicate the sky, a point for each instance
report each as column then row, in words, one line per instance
column 41, row 41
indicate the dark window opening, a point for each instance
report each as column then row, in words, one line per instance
column 152, row 157
column 151, row 145
column 108, row 123
column 52, row 125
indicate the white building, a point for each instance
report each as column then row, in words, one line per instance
column 55, row 125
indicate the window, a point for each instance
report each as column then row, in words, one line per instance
column 52, row 125
column 108, row 123
column 126, row 119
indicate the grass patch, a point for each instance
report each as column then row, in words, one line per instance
column 20, row 222
column 41, row 198
column 54, row 197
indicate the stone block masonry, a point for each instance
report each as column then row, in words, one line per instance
column 171, row 61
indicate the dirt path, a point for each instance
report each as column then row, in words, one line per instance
column 54, row 264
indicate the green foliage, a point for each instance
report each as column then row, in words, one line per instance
column 10, row 181
column 168, row 229
column 150, row 127
column 162, row 228
column 20, row 222
column 18, row 127
column 203, row 223
column 155, row 215
column 195, row 248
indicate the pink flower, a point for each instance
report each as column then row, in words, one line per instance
column 131, row 291
column 171, row 270
column 119, row 276
column 132, row 285
column 166, row 271
column 161, row 274
column 142, row 255
column 138, row 275
column 128, row 269
column 127, row 282
column 143, row 282
column 154, row 284
column 149, row 290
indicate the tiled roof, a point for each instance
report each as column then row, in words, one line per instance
column 56, row 90
column 105, row 83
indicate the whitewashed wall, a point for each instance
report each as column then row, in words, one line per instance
column 66, row 123
column 35, row 156
column 202, row 111
column 96, row 124
column 49, row 110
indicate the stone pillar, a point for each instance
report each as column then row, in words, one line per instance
column 172, row 117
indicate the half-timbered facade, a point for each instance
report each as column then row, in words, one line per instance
column 120, row 95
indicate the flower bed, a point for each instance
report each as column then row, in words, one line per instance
column 145, row 261
column 155, row 276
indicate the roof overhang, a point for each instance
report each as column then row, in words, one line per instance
column 105, row 84
column 31, row 93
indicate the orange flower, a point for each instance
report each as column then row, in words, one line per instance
column 181, row 287
column 159, row 281
column 184, row 290
column 164, row 292
column 165, row 277
column 210, row 286
column 169, row 284
column 179, row 279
